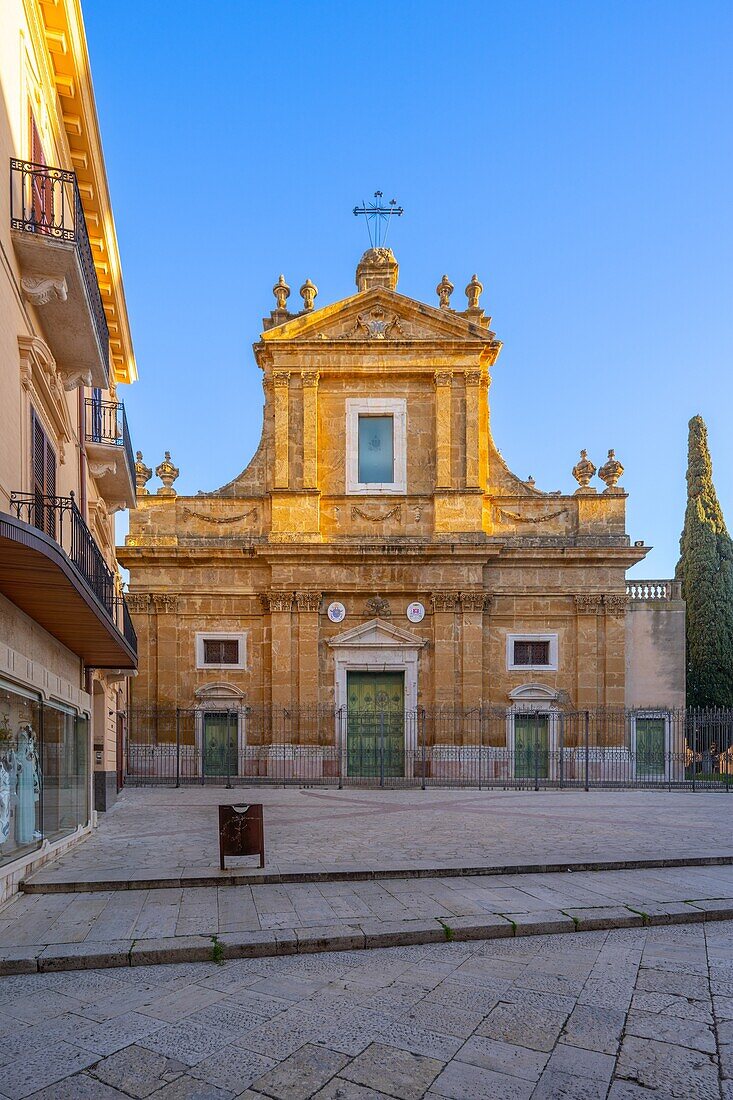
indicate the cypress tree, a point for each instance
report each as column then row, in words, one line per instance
column 706, row 571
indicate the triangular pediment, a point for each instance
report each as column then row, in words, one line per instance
column 379, row 315
column 377, row 634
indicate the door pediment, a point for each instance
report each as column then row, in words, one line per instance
column 377, row 634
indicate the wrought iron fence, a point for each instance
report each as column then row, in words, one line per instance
column 482, row 747
column 106, row 422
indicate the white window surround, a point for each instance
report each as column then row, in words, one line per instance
column 396, row 407
column 213, row 636
column 551, row 666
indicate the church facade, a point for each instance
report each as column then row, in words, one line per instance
column 377, row 547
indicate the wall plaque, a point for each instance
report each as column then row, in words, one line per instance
column 336, row 612
column 415, row 612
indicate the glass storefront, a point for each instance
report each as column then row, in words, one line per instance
column 44, row 771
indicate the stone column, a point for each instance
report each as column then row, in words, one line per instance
column 142, row 686
column 615, row 655
column 310, row 428
column 472, row 628
column 165, row 607
column 281, row 384
column 443, row 416
column 588, row 607
column 444, row 636
column 280, row 604
column 308, row 607
column 473, row 415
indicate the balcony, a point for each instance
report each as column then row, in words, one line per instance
column 58, row 276
column 109, row 450
column 656, row 592
column 53, row 570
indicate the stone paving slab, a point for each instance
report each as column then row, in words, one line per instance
column 165, row 836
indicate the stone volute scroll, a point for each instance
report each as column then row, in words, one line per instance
column 583, row 471
column 444, row 289
column 143, row 474
column 610, row 472
column 167, row 473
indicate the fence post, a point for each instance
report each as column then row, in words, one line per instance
column 536, row 751
column 480, row 741
column 203, row 749
column 587, row 750
column 381, row 748
column 421, row 723
column 721, row 755
column 694, row 750
column 340, row 745
column 178, row 746
column 561, row 742
column 228, row 751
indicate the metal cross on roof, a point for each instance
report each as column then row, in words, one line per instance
column 378, row 217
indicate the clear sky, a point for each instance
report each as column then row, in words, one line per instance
column 577, row 156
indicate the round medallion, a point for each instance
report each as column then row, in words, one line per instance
column 336, row 612
column 415, row 612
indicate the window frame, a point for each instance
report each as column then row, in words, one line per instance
column 220, row 636
column 552, row 662
column 395, row 407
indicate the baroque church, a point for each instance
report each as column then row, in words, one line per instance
column 377, row 553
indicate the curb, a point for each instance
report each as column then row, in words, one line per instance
column 365, row 936
column 357, row 874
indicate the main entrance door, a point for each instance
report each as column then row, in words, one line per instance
column 531, row 746
column 375, row 724
column 220, row 743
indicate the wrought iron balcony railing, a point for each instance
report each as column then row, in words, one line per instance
column 124, row 622
column 60, row 518
column 106, row 422
column 45, row 201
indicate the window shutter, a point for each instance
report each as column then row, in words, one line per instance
column 43, row 461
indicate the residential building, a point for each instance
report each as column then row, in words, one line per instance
column 67, row 644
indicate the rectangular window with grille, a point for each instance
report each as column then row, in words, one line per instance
column 532, row 653
column 221, row 651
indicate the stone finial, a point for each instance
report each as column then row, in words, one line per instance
column 167, row 473
column 473, row 292
column 143, row 474
column 610, row 472
column 377, row 267
column 308, row 293
column 444, row 289
column 583, row 471
column 281, row 290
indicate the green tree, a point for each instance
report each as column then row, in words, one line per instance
column 706, row 571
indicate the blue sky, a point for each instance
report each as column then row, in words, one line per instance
column 578, row 156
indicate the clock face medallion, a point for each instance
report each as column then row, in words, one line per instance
column 415, row 612
column 336, row 612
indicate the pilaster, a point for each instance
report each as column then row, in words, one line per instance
column 308, row 604
column 281, row 387
column 279, row 605
column 445, row 605
column 310, row 428
column 589, row 624
column 443, row 416
column 473, row 605
column 473, row 414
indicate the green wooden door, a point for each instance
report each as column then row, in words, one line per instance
column 649, row 747
column 220, row 743
column 376, row 724
column 531, row 746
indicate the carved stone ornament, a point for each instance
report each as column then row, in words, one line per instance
column 475, row 601
column 473, row 377
column 39, row 291
column 583, row 471
column 445, row 601
column 377, row 267
column 444, row 289
column 281, row 290
column 310, row 377
column 164, row 602
column 167, row 473
column 308, row 601
column 375, row 325
column 277, row 601
column 308, row 293
column 99, row 469
column 610, row 472
column 443, row 378
column 138, row 601
column 74, row 377
column 588, row 603
column 473, row 292
column 143, row 474
column 379, row 607
column 615, row 605
column 280, row 378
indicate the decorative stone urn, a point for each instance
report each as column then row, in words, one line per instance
column 143, row 474
column 583, row 471
column 610, row 472
column 167, row 473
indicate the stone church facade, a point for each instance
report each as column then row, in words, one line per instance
column 378, row 547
